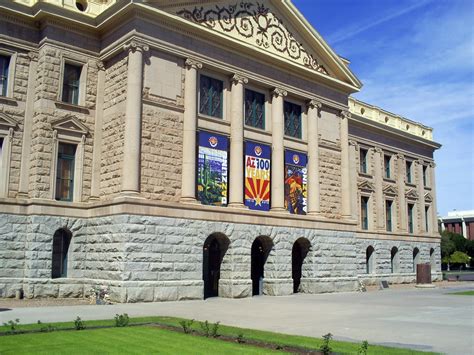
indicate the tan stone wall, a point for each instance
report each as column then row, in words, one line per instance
column 330, row 184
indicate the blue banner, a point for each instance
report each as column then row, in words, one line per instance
column 257, row 176
column 296, row 177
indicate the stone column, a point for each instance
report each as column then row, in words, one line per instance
column 27, row 129
column 236, row 179
column 97, row 149
column 278, row 160
column 378, row 179
column 345, row 169
column 314, row 190
column 421, row 196
column 188, row 184
column 434, row 212
column 133, row 119
column 402, row 204
column 353, row 178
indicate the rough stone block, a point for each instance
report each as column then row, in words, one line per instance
column 139, row 294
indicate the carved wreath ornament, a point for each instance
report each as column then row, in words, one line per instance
column 256, row 21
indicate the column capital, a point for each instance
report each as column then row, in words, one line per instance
column 135, row 45
column 378, row 150
column 33, row 56
column 419, row 162
column 277, row 92
column 432, row 164
column 100, row 65
column 345, row 114
column 353, row 143
column 400, row 156
column 193, row 64
column 239, row 79
column 314, row 104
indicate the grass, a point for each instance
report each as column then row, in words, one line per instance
column 463, row 293
column 139, row 339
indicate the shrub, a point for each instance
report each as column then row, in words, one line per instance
column 13, row 325
column 121, row 320
column 186, row 325
column 79, row 324
column 205, row 328
column 364, row 347
column 240, row 338
column 325, row 347
column 46, row 328
column 215, row 328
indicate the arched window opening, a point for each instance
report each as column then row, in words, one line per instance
column 369, row 260
column 416, row 258
column 261, row 248
column 432, row 259
column 214, row 249
column 394, row 260
column 300, row 250
column 61, row 240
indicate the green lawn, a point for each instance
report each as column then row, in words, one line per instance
column 463, row 293
column 147, row 339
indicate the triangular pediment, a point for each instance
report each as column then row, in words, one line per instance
column 70, row 125
column 428, row 197
column 274, row 28
column 366, row 186
column 6, row 122
column 390, row 190
column 411, row 194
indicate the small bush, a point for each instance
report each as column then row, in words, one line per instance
column 364, row 347
column 215, row 328
column 240, row 338
column 205, row 328
column 46, row 328
column 13, row 325
column 325, row 347
column 121, row 320
column 79, row 324
column 186, row 325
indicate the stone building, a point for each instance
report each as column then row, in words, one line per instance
column 186, row 149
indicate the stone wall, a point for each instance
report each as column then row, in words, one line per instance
column 330, row 182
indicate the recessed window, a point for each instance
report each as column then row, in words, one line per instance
column 369, row 260
column 254, row 109
column 386, row 163
column 425, row 175
column 292, row 113
column 364, row 215
column 4, row 67
column 65, row 172
column 416, row 258
column 427, row 218
column 211, row 96
column 394, row 260
column 410, row 218
column 71, row 83
column 408, row 167
column 363, row 160
column 1, row 155
column 388, row 215
column 61, row 242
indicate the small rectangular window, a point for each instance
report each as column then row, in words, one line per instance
column 211, row 96
column 4, row 68
column 386, row 162
column 254, row 109
column 388, row 215
column 408, row 171
column 427, row 218
column 71, row 83
column 410, row 218
column 65, row 172
column 292, row 114
column 364, row 215
column 1, row 156
column 425, row 177
column 363, row 161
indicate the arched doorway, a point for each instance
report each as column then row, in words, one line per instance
column 298, row 254
column 369, row 260
column 416, row 258
column 394, row 260
column 61, row 241
column 432, row 259
column 261, row 247
column 214, row 250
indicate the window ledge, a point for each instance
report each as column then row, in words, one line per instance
column 71, row 107
column 427, row 188
column 365, row 175
column 213, row 119
column 293, row 139
column 389, row 180
column 409, row 184
column 8, row 101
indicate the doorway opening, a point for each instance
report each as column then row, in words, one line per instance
column 261, row 248
column 298, row 254
column 214, row 249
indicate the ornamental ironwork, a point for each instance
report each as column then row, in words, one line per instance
column 254, row 20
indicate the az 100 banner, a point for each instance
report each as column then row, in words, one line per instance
column 257, row 176
column 212, row 169
column 296, row 182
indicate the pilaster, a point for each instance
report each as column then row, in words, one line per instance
column 345, row 169
column 402, row 204
column 421, row 196
column 434, row 212
column 353, row 178
column 314, row 190
column 378, row 180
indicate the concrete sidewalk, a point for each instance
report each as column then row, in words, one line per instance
column 423, row 319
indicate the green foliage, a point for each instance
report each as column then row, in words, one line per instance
column 364, row 347
column 46, row 328
column 186, row 325
column 79, row 324
column 447, row 245
column 459, row 258
column 470, row 248
column 241, row 338
column 121, row 320
column 12, row 325
column 325, row 347
column 214, row 330
column 205, row 328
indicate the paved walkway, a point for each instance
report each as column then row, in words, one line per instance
column 424, row 319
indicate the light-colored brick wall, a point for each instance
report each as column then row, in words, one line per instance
column 330, row 184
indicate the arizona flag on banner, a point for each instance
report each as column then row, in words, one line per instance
column 257, row 176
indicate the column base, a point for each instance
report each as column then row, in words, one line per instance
column 189, row 200
column 279, row 210
column 237, row 205
column 131, row 194
column 94, row 198
column 22, row 195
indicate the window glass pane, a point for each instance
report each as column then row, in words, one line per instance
column 364, row 213
column 387, row 166
column 211, row 97
column 388, row 215
column 408, row 168
column 424, row 176
column 65, row 172
column 292, row 113
column 72, row 75
column 4, row 65
column 363, row 161
column 254, row 109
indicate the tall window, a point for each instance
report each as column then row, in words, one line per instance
column 292, row 113
column 65, row 172
column 254, row 109
column 211, row 96
column 427, row 218
column 408, row 171
column 71, row 81
column 386, row 165
column 363, row 161
column 4, row 66
column 364, row 212
column 388, row 215
column 425, row 176
column 61, row 241
column 369, row 260
column 410, row 218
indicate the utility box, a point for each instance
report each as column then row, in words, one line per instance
column 423, row 273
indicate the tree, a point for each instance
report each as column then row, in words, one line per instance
column 447, row 245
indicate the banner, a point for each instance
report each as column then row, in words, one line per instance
column 296, row 182
column 212, row 169
column 257, row 176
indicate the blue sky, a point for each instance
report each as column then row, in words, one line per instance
column 415, row 58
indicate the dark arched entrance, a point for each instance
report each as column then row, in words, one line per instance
column 260, row 249
column 298, row 254
column 61, row 240
column 214, row 249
